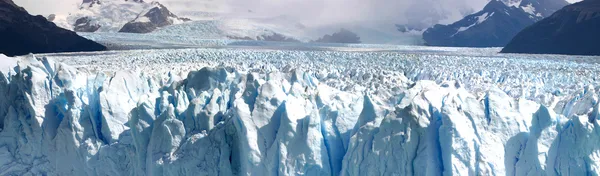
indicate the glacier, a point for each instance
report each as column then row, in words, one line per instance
column 238, row 111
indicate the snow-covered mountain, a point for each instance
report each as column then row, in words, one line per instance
column 113, row 15
column 424, row 14
column 494, row 26
column 151, row 19
column 258, row 28
column 235, row 28
column 421, row 15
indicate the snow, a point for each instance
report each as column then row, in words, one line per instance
column 512, row 3
column 480, row 19
column 211, row 21
column 531, row 10
column 7, row 63
column 242, row 109
column 111, row 15
column 253, row 27
column 218, row 29
column 142, row 19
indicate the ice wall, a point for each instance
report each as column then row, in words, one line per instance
column 58, row 120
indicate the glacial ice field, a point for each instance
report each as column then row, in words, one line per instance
column 260, row 108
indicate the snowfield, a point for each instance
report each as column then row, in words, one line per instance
column 260, row 108
column 111, row 15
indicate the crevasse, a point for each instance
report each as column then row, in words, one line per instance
column 58, row 120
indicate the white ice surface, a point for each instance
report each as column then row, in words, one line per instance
column 354, row 110
column 7, row 63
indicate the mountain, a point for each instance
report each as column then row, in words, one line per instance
column 422, row 14
column 341, row 36
column 155, row 17
column 571, row 30
column 543, row 8
column 493, row 26
column 113, row 15
column 22, row 33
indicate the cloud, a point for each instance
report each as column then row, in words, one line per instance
column 307, row 11
column 46, row 7
column 341, row 11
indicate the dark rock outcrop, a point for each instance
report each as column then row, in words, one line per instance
column 274, row 37
column 342, row 36
column 494, row 26
column 91, row 3
column 51, row 17
column 407, row 28
column 573, row 30
column 85, row 24
column 22, row 33
column 158, row 16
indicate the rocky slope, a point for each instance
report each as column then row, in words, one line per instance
column 494, row 26
column 113, row 15
column 149, row 20
column 22, row 33
column 571, row 30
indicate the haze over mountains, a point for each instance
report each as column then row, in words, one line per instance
column 345, row 10
column 462, row 23
column 363, row 17
column 237, row 89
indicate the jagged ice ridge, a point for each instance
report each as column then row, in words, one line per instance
column 221, row 120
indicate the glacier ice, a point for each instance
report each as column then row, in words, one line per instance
column 58, row 119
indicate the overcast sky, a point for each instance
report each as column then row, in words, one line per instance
column 318, row 10
column 48, row 6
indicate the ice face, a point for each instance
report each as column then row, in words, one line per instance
column 270, row 120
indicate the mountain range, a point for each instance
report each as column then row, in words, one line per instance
column 494, row 26
column 133, row 16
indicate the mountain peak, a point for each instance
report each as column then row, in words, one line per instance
column 111, row 15
column 22, row 33
column 152, row 18
column 7, row 3
column 494, row 26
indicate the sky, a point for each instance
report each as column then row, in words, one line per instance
column 46, row 7
column 323, row 11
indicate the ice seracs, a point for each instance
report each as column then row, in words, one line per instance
column 59, row 120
